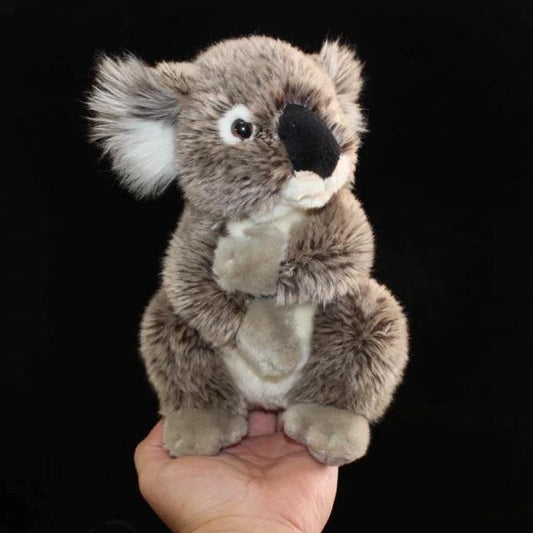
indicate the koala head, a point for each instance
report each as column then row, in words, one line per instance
column 251, row 127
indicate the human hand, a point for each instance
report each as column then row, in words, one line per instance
column 267, row 482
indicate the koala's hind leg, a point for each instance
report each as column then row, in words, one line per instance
column 203, row 410
column 359, row 352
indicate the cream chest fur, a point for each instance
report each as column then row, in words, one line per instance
column 247, row 364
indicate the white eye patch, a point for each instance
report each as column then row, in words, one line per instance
column 226, row 121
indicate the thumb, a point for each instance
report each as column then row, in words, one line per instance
column 149, row 453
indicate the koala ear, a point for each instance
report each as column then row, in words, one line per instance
column 134, row 111
column 343, row 67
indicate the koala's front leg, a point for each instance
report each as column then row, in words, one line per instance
column 250, row 263
column 204, row 411
column 359, row 351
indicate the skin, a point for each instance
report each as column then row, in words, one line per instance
column 265, row 483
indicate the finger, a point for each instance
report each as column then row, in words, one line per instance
column 150, row 452
column 261, row 423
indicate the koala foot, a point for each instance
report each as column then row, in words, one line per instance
column 333, row 436
column 202, row 432
column 268, row 340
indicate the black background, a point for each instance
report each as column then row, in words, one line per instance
column 443, row 174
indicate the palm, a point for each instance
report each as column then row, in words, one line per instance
column 265, row 475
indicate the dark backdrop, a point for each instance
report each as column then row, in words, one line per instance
column 443, row 175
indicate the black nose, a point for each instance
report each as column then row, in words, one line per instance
column 308, row 140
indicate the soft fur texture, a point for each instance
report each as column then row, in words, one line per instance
column 328, row 255
column 249, row 262
column 266, row 296
column 333, row 436
column 359, row 352
column 183, row 368
column 269, row 340
column 201, row 431
column 134, row 114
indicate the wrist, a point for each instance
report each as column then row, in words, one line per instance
column 247, row 525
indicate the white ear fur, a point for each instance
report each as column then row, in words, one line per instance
column 134, row 115
column 143, row 155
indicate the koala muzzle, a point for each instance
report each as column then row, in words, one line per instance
column 309, row 142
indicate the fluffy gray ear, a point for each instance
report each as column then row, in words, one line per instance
column 343, row 67
column 133, row 118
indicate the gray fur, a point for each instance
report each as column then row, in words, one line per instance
column 183, row 368
column 129, row 99
column 250, row 264
column 327, row 254
column 360, row 346
column 345, row 70
column 333, row 436
column 160, row 122
column 202, row 432
column 190, row 285
column 268, row 340
column 264, row 74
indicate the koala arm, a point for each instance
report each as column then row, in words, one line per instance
column 250, row 263
column 327, row 253
column 190, row 285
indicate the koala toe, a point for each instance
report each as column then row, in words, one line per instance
column 333, row 436
column 202, row 432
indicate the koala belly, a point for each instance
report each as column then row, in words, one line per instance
column 274, row 342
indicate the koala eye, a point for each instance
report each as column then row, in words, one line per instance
column 241, row 128
column 235, row 126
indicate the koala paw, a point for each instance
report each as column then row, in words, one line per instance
column 202, row 432
column 333, row 436
column 250, row 263
column 267, row 337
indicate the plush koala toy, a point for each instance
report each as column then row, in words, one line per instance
column 267, row 299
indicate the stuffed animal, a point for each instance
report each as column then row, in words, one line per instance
column 266, row 299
